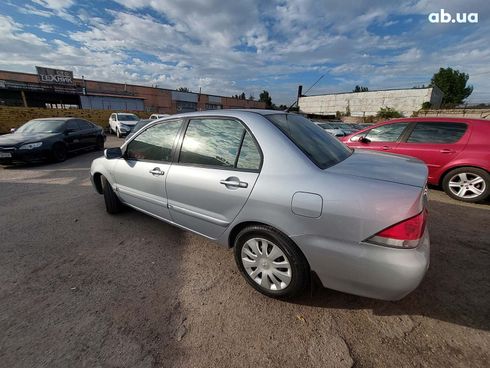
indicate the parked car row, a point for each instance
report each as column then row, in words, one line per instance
column 122, row 124
column 337, row 128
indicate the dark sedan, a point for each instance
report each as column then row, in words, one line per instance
column 50, row 138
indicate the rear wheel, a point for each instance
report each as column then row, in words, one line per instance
column 270, row 262
column 58, row 152
column 467, row 184
column 112, row 203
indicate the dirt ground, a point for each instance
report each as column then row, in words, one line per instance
column 81, row 288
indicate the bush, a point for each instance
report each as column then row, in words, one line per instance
column 426, row 105
column 388, row 113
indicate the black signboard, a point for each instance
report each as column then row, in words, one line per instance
column 54, row 76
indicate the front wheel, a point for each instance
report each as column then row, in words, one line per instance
column 270, row 262
column 59, row 152
column 112, row 203
column 467, row 184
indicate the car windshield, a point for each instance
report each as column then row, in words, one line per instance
column 127, row 117
column 319, row 146
column 41, row 126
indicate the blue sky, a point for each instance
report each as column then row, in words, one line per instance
column 229, row 47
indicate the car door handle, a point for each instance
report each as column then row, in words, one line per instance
column 447, row 150
column 157, row 171
column 386, row 148
column 234, row 183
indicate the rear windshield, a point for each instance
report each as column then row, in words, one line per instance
column 320, row 147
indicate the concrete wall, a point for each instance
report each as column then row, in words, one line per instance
column 405, row 101
column 456, row 113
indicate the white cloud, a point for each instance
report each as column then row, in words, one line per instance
column 47, row 28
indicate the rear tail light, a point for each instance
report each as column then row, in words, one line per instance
column 405, row 234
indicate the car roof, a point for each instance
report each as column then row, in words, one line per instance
column 57, row 118
column 436, row 119
column 227, row 112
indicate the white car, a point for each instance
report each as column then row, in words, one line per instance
column 331, row 129
column 122, row 123
column 158, row 116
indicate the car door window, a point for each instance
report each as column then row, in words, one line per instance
column 72, row 126
column 437, row 132
column 212, row 142
column 155, row 143
column 384, row 133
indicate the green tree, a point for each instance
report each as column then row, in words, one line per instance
column 453, row 84
column 360, row 89
column 265, row 97
column 183, row 89
column 388, row 113
column 242, row 96
column 251, row 97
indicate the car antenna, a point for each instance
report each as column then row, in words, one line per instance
column 300, row 90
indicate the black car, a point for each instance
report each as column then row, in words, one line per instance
column 50, row 138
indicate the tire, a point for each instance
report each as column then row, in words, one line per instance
column 467, row 184
column 59, row 152
column 264, row 273
column 112, row 203
column 99, row 143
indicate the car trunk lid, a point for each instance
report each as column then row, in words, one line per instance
column 383, row 166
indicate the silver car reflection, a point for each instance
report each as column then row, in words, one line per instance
column 289, row 198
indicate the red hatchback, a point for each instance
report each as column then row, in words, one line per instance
column 456, row 150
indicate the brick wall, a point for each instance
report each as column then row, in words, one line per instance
column 13, row 117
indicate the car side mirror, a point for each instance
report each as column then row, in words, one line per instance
column 363, row 140
column 112, row 153
column 12, row 130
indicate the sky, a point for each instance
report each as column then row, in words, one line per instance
column 229, row 47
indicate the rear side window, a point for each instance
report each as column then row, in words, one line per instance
column 249, row 157
column 319, row 146
column 437, row 132
column 84, row 125
column 155, row 143
column 219, row 142
column 385, row 133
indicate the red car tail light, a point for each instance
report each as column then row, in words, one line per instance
column 405, row 234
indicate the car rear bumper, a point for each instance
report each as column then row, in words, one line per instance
column 365, row 269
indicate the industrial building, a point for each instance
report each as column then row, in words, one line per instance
column 54, row 88
column 406, row 101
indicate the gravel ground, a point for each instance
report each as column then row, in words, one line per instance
column 81, row 288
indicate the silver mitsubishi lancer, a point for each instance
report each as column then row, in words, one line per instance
column 290, row 199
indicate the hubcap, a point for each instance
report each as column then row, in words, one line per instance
column 266, row 264
column 467, row 185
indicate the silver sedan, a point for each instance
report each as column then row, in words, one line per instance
column 290, row 199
